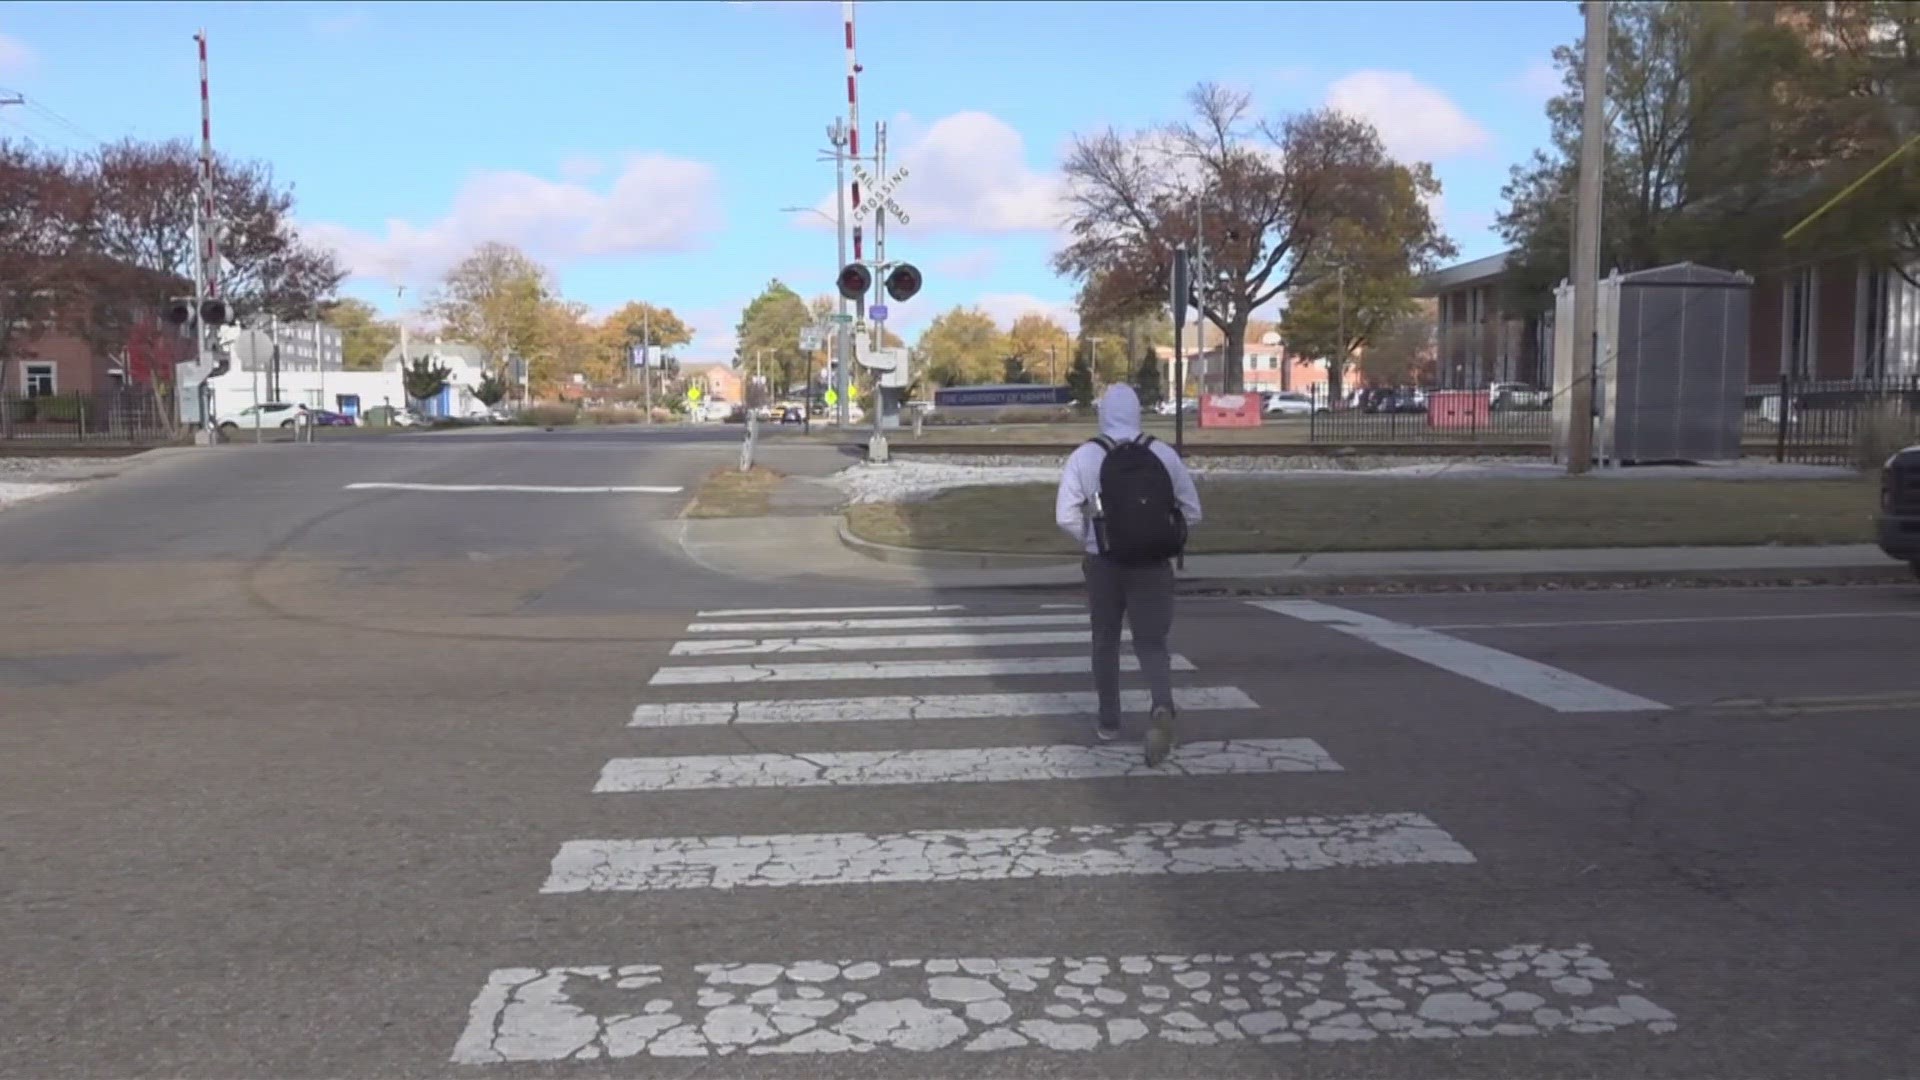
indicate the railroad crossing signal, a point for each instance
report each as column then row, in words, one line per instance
column 879, row 196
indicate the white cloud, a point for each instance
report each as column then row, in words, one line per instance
column 1007, row 307
column 581, row 167
column 714, row 339
column 15, row 57
column 968, row 265
column 965, row 173
column 655, row 204
column 1414, row 120
column 1539, row 80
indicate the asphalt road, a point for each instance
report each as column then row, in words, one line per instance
column 303, row 780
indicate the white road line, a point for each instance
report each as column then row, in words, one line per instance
column 908, row 707
column 1562, row 691
column 949, row 855
column 988, row 765
column 889, row 643
column 1681, row 620
column 930, row 622
column 724, row 613
column 857, row 670
column 533, row 489
column 1074, row 1004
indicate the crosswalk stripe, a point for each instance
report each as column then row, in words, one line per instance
column 982, row 765
column 853, row 671
column 916, row 622
column 891, row 642
column 1066, row 1004
column 947, row 855
column 923, row 707
column 1560, row 690
column 723, row 613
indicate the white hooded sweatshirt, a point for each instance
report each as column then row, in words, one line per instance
column 1080, row 479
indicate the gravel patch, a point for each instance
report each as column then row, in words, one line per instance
column 11, row 492
column 910, row 478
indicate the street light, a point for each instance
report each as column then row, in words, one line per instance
column 808, row 210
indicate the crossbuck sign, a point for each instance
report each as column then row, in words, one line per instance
column 880, row 196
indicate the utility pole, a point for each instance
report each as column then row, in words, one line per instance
column 646, row 358
column 1586, row 244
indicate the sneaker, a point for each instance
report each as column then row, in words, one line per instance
column 1106, row 732
column 1159, row 736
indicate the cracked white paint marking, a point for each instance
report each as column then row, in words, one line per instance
column 989, row 765
column 746, row 646
column 857, row 670
column 946, row 855
column 968, row 1004
column 1561, row 691
column 725, row 613
column 520, row 489
column 919, row 622
column 930, row 707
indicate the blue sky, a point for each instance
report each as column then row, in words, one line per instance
column 645, row 151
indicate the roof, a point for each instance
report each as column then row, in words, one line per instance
column 417, row 349
column 1485, row 271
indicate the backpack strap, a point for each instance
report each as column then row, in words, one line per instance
column 1102, row 442
column 1144, row 439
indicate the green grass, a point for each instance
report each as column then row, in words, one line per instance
column 1253, row 515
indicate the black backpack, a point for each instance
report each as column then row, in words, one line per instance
column 1137, row 520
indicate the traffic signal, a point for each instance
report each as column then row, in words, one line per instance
column 180, row 312
column 903, row 282
column 216, row 312
column 855, row 281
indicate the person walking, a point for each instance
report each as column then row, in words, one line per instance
column 1127, row 499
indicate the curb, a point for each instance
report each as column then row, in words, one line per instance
column 934, row 559
column 1285, row 583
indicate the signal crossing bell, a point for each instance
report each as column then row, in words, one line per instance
column 903, row 282
column 855, row 280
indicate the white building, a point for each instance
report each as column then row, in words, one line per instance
column 328, row 385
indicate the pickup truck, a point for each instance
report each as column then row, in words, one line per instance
column 1899, row 523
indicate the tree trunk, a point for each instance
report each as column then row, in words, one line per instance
column 1336, row 381
column 1233, row 377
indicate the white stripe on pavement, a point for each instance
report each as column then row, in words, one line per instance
column 930, row 622
column 1068, row 1004
column 535, row 489
column 948, row 855
column 1581, row 624
column 854, row 671
column 988, row 765
column 908, row 707
column 724, row 613
column 890, row 642
column 1562, row 691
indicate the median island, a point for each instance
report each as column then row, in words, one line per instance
column 1327, row 514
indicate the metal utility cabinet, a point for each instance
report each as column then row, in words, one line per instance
column 1672, row 359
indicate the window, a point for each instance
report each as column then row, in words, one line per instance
column 39, row 380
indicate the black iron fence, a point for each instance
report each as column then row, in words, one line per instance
column 132, row 415
column 1858, row 422
column 1423, row 416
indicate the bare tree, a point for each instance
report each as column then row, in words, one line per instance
column 144, row 216
column 1265, row 196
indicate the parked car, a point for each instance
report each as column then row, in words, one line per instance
column 1290, row 403
column 1899, row 521
column 266, row 414
column 1514, row 395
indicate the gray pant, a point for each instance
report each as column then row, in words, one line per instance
column 1141, row 596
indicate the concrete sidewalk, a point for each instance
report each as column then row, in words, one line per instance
column 818, row 549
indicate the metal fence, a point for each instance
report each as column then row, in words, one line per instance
column 1436, row 416
column 1857, row 422
column 130, row 416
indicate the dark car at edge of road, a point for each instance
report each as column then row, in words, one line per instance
column 1899, row 525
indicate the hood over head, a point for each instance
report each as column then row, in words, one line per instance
column 1120, row 413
